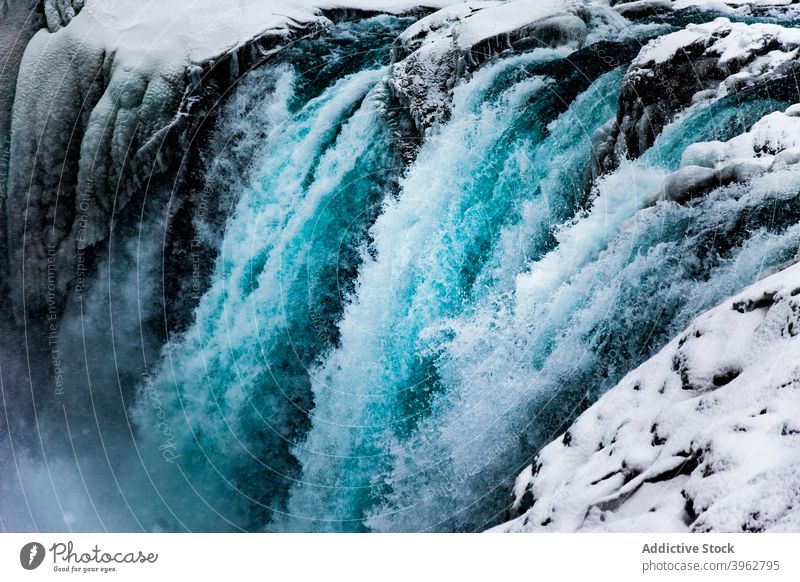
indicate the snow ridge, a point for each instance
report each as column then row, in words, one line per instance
column 702, row 437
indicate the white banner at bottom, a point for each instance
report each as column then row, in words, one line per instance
column 388, row 557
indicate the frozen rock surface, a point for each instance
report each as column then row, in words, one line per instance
column 639, row 8
column 699, row 63
column 19, row 21
column 59, row 13
column 773, row 143
column 702, row 437
column 440, row 49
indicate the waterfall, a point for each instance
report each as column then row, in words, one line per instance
column 236, row 383
column 429, row 245
column 382, row 324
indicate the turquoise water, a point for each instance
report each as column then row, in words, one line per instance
column 385, row 343
column 479, row 174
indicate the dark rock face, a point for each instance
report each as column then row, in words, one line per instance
column 650, row 98
column 19, row 21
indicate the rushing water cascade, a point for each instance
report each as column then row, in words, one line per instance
column 392, row 320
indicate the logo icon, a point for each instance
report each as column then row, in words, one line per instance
column 31, row 555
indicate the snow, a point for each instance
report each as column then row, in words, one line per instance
column 725, row 39
column 648, row 7
column 482, row 20
column 664, row 48
column 772, row 143
column 704, row 436
column 716, row 4
column 506, row 18
column 161, row 33
column 437, row 25
column 644, row 7
column 769, row 141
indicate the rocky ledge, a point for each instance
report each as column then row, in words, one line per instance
column 702, row 437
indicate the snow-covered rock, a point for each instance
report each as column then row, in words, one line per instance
column 772, row 143
column 705, row 436
column 60, row 13
column 112, row 89
column 697, row 64
column 440, row 49
column 645, row 8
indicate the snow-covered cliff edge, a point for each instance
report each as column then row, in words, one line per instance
column 702, row 437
